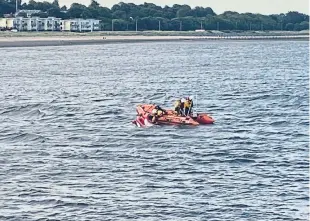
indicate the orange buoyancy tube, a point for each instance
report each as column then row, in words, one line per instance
column 172, row 119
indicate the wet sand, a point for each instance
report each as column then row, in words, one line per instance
column 88, row 40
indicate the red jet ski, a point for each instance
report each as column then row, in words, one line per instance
column 143, row 121
column 171, row 118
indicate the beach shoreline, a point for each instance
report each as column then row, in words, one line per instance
column 43, row 39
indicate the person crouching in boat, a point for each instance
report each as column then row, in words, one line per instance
column 157, row 112
column 188, row 105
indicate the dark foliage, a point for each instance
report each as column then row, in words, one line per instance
column 177, row 17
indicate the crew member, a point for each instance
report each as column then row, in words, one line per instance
column 182, row 106
column 177, row 106
column 156, row 113
column 188, row 105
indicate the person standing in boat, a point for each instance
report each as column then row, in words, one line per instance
column 182, row 107
column 188, row 106
column 177, row 106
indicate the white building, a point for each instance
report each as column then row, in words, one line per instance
column 49, row 24
column 80, row 25
column 52, row 24
column 35, row 24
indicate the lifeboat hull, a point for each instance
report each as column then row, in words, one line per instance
column 204, row 119
column 172, row 119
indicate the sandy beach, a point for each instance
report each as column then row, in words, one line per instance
column 46, row 40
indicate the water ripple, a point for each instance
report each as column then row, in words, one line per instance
column 68, row 150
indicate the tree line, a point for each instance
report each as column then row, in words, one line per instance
column 148, row 16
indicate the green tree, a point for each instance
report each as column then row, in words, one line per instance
column 120, row 24
column 56, row 3
column 63, row 8
column 86, row 14
column 304, row 25
column 31, row 5
column 94, row 4
column 54, row 12
column 119, row 14
column 77, row 10
column 289, row 27
column 184, row 11
column 43, row 6
column 171, row 18
column 175, row 24
column 104, row 12
column 93, row 9
column 209, row 11
column 297, row 27
column 168, row 12
column 295, row 17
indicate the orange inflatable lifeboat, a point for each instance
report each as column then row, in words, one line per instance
column 170, row 118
